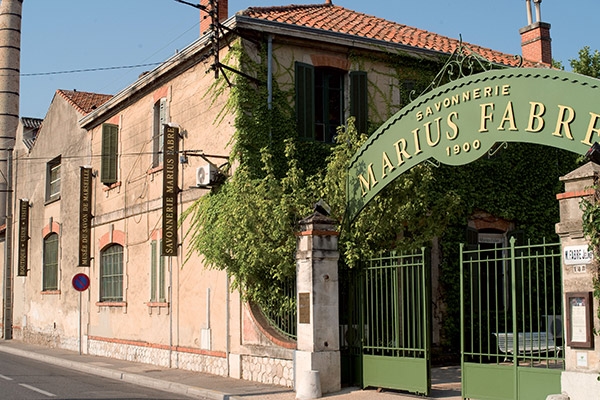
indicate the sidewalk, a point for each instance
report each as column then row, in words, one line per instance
column 203, row 386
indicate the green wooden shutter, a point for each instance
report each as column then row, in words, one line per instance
column 472, row 237
column 50, row 280
column 153, row 268
column 160, row 118
column 110, row 135
column 359, row 100
column 305, row 100
column 162, row 296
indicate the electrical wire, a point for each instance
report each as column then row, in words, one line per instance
column 74, row 71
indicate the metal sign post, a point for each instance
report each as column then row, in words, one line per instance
column 80, row 283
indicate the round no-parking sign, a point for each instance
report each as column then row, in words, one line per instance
column 81, row 282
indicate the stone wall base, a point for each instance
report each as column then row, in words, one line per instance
column 269, row 370
column 580, row 385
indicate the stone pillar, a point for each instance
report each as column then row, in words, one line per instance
column 317, row 359
column 579, row 378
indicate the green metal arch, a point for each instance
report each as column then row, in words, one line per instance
column 461, row 121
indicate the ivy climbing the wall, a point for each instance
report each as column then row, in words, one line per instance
column 591, row 229
column 247, row 225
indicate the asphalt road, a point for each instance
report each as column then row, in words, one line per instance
column 26, row 379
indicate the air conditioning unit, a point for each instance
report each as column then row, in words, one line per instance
column 206, row 174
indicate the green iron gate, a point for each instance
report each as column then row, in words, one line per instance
column 394, row 293
column 511, row 321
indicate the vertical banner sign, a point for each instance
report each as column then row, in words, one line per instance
column 23, row 236
column 170, row 191
column 85, row 217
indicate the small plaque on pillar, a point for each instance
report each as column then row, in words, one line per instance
column 304, row 308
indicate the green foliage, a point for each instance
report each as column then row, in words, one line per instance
column 591, row 230
column 406, row 215
column 247, row 227
column 588, row 63
column 519, row 183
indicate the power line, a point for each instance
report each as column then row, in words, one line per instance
column 73, row 71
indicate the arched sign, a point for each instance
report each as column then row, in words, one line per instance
column 459, row 122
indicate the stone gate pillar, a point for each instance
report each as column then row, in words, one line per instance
column 317, row 359
column 582, row 363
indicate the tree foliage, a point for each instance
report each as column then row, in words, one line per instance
column 588, row 63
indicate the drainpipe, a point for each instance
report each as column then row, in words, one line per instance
column 227, row 327
column 270, row 78
column 270, row 71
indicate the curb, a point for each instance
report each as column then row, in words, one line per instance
column 152, row 383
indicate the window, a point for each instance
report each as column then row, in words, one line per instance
column 160, row 118
column 320, row 101
column 157, row 274
column 110, row 147
column 53, row 180
column 111, row 273
column 50, row 269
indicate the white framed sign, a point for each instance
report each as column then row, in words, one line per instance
column 577, row 255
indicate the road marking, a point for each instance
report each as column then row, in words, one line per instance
column 6, row 378
column 37, row 390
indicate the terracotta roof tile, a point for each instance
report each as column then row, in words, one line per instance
column 341, row 20
column 84, row 102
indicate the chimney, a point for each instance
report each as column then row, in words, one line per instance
column 10, row 59
column 536, row 44
column 206, row 20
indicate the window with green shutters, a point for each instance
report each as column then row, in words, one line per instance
column 50, row 269
column 157, row 274
column 111, row 273
column 110, row 147
column 320, row 101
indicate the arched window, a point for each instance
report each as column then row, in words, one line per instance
column 111, row 273
column 50, row 272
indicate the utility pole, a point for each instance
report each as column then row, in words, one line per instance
column 10, row 60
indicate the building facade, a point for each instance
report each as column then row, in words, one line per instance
column 174, row 311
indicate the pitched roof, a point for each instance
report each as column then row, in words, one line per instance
column 84, row 102
column 338, row 19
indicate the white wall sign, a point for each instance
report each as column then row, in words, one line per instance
column 573, row 255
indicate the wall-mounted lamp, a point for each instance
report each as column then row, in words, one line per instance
column 322, row 208
column 593, row 154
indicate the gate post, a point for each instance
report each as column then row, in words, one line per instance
column 317, row 360
column 582, row 361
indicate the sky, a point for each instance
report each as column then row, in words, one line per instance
column 110, row 36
